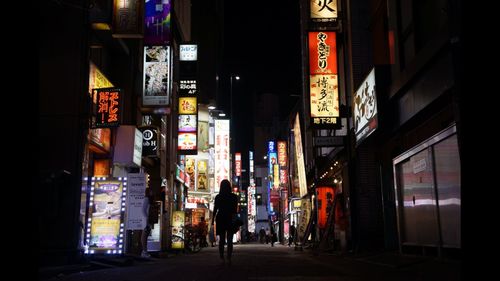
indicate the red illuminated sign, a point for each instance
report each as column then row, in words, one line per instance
column 108, row 107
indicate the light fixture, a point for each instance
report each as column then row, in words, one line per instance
column 222, row 114
column 211, row 107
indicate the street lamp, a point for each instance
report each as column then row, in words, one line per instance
column 231, row 93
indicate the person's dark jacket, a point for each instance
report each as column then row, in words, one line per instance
column 226, row 205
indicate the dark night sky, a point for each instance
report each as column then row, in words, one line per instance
column 262, row 45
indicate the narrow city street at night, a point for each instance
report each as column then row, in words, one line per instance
column 256, row 261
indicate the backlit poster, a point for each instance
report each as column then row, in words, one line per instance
column 106, row 216
column 299, row 154
column 202, row 179
column 178, row 230
column 191, row 172
column 156, row 80
column 323, row 10
column 365, row 108
column 127, row 18
column 221, row 152
column 157, row 22
column 323, row 79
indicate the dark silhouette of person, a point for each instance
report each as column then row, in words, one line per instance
column 292, row 234
column 225, row 207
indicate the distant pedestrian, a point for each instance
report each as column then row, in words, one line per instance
column 291, row 236
column 268, row 235
column 262, row 235
column 211, row 236
column 274, row 236
column 225, row 208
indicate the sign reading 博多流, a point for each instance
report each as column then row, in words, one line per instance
column 323, row 78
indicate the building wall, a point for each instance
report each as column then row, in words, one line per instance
column 63, row 102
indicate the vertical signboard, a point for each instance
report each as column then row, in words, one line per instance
column 251, row 208
column 156, row 76
column 136, row 219
column 105, row 223
column 157, row 22
column 221, row 152
column 301, row 169
column 237, row 164
column 323, row 88
column 283, row 163
column 108, row 107
column 365, row 108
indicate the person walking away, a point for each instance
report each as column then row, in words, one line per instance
column 147, row 213
column 211, row 236
column 225, row 207
column 262, row 235
column 202, row 232
column 273, row 236
column 291, row 236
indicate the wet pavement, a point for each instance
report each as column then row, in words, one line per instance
column 262, row 262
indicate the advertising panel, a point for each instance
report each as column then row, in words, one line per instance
column 108, row 110
column 157, row 22
column 203, row 135
column 105, row 224
column 150, row 141
column 188, row 87
column 301, row 169
column 188, row 105
column 365, row 108
column 191, row 172
column 323, row 10
column 221, row 152
column 237, row 163
column 187, row 141
column 156, row 79
column 322, row 52
column 188, row 52
column 136, row 218
column 97, row 80
column 251, row 208
column 202, row 179
column 127, row 18
column 178, row 230
column 305, row 217
column 100, row 137
column 323, row 79
column 187, row 123
column 325, row 203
